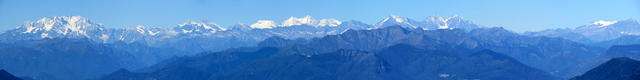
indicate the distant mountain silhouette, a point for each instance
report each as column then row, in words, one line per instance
column 621, row 68
column 63, row 58
column 630, row 51
column 596, row 32
column 173, row 73
column 4, row 75
column 624, row 40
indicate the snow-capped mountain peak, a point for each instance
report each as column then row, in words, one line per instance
column 144, row 30
column 240, row 27
column 199, row 27
column 60, row 25
column 455, row 17
column 431, row 22
column 329, row 22
column 140, row 29
column 263, row 24
column 395, row 18
column 398, row 18
column 602, row 23
column 438, row 21
column 293, row 21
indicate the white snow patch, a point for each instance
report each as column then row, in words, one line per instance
column 121, row 37
column 186, row 31
column 332, row 32
column 345, row 30
column 263, row 24
column 329, row 22
column 201, row 26
column 29, row 29
column 398, row 18
column 140, row 29
column 604, row 23
column 153, row 33
column 425, row 28
column 44, row 35
column 444, row 75
column 104, row 37
column 293, row 21
column 383, row 20
column 445, row 26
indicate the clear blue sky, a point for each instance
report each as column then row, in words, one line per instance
column 511, row 14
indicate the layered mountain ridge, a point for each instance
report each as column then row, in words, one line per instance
column 309, row 45
column 71, row 37
column 553, row 56
column 77, row 27
column 596, row 32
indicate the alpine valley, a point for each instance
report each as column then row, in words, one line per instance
column 305, row 48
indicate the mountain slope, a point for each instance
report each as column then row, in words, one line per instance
column 624, row 40
column 208, row 62
column 556, row 55
column 75, row 58
column 236, row 63
column 621, row 68
column 395, row 62
column 630, row 51
column 559, row 56
column 173, row 73
column 4, row 75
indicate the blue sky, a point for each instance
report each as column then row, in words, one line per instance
column 512, row 14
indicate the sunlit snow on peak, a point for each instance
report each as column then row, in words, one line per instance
column 295, row 21
column 140, row 29
column 603, row 23
column 62, row 25
column 329, row 22
column 398, row 18
column 199, row 27
column 263, row 24
column 292, row 21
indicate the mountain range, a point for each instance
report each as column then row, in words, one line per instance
column 599, row 33
column 47, row 39
column 395, row 62
column 213, row 35
column 553, row 56
column 73, row 47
